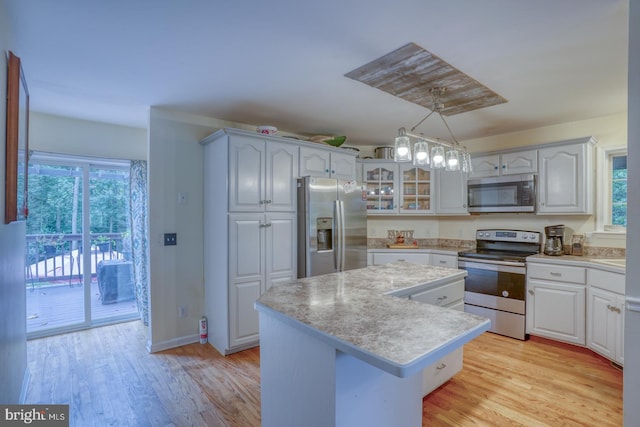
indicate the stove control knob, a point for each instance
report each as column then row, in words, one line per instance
column 525, row 236
column 480, row 234
column 533, row 236
column 505, row 294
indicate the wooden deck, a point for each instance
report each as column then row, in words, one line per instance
column 62, row 305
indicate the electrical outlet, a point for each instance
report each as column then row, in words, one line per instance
column 182, row 311
column 170, row 239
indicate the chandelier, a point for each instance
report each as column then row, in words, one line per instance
column 442, row 154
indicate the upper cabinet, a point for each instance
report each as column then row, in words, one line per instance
column 451, row 193
column 566, row 176
column 381, row 180
column 323, row 163
column 261, row 175
column 415, row 189
column 405, row 189
column 517, row 162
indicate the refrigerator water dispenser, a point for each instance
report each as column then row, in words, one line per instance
column 324, row 226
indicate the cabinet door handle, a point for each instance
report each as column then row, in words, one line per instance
column 442, row 298
column 400, row 259
column 441, row 366
column 504, row 166
column 261, row 202
column 443, row 261
column 555, row 274
column 613, row 308
column 267, row 201
column 531, row 292
column 495, row 168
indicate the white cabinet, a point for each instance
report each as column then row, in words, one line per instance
column 450, row 295
column 511, row 163
column 249, row 229
column 444, row 260
column 260, row 175
column 325, row 163
column 451, row 194
column 404, row 189
column 566, row 178
column 443, row 296
column 381, row 179
column 555, row 305
column 378, row 258
column 605, row 314
column 261, row 252
column 415, row 189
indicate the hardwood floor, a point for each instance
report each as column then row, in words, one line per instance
column 109, row 379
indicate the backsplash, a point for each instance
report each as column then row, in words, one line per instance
column 460, row 244
column 454, row 244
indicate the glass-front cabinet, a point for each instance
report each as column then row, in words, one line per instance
column 381, row 181
column 415, row 189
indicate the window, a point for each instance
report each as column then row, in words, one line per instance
column 612, row 190
column 618, row 190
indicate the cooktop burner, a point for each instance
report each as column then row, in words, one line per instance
column 504, row 245
column 496, row 255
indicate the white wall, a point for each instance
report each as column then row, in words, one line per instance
column 65, row 135
column 632, row 318
column 177, row 272
column 609, row 131
column 13, row 326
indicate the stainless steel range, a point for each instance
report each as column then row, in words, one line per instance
column 496, row 281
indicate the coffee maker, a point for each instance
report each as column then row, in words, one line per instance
column 555, row 240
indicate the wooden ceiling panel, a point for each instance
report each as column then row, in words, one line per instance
column 410, row 73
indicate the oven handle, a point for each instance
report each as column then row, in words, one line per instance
column 503, row 266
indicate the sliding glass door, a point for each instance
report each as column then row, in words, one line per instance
column 79, row 270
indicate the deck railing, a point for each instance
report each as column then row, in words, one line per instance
column 58, row 257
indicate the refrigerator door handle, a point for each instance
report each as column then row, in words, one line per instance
column 343, row 233
column 337, row 229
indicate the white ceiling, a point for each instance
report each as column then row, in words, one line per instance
column 282, row 62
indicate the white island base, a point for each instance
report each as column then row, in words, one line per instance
column 307, row 382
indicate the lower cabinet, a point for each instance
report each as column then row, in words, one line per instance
column 261, row 252
column 378, row 258
column 556, row 299
column 605, row 314
column 419, row 256
column 578, row 305
column 451, row 296
column 442, row 260
column 556, row 310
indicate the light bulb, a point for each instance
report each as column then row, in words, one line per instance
column 437, row 157
column 402, row 149
column 453, row 160
column 421, row 153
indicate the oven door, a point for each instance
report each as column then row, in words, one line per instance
column 494, row 280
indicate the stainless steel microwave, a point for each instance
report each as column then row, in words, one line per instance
column 510, row 193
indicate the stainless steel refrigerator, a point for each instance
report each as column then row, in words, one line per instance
column 332, row 226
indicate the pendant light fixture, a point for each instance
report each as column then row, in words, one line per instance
column 456, row 158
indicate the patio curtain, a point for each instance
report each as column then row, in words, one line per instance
column 139, row 232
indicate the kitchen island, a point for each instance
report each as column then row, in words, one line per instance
column 348, row 349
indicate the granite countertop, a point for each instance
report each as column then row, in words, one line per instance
column 359, row 312
column 615, row 265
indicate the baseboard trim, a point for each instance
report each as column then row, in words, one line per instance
column 172, row 343
column 25, row 386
